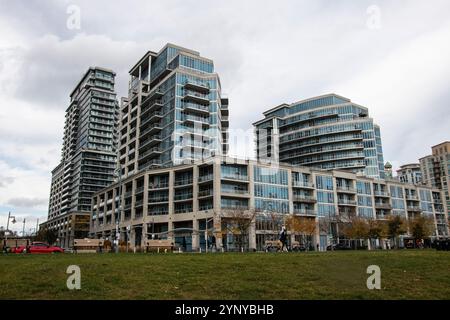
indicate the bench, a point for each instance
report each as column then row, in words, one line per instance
column 88, row 245
column 159, row 245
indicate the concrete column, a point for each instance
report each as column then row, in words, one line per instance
column 218, row 235
column 132, row 238
column 171, row 205
column 316, row 239
column 291, row 193
column 251, row 185
column 145, row 199
column 195, row 235
column 133, row 200
column 252, row 235
column 144, row 236
column 195, row 189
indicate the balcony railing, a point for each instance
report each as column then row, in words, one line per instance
column 160, row 185
column 300, row 197
column 205, row 193
column 346, row 189
column 235, row 176
column 307, row 212
column 207, row 177
column 347, row 202
column 183, row 182
column 299, row 183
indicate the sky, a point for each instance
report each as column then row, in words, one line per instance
column 390, row 56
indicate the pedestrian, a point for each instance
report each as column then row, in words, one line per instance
column 317, row 246
column 283, row 238
column 213, row 242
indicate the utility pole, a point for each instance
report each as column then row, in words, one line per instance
column 37, row 226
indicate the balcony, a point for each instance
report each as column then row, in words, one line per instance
column 239, row 177
column 155, row 151
column 304, row 198
column 304, row 212
column 379, row 205
column 183, row 182
column 345, row 189
column 158, row 199
column 412, row 197
column 190, row 119
column 235, row 192
column 161, row 185
column 205, row 178
column 196, row 97
column 378, row 193
column 138, row 203
column 183, row 197
column 196, row 108
column 139, row 190
column 302, row 184
column 414, row 208
column 158, row 93
column 197, row 86
column 155, row 139
column 382, row 216
column 205, row 193
column 151, row 117
column 346, row 202
column 154, row 105
column 153, row 128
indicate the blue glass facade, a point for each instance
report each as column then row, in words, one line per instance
column 328, row 132
column 183, row 117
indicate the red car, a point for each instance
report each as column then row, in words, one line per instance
column 37, row 247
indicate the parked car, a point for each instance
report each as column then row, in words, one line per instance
column 37, row 247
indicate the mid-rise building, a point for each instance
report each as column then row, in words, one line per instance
column 325, row 132
column 182, row 202
column 436, row 168
column 174, row 111
column 410, row 173
column 89, row 154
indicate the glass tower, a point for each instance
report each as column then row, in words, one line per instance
column 174, row 112
column 325, row 132
column 89, row 154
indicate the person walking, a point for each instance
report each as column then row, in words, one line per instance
column 283, row 238
column 213, row 242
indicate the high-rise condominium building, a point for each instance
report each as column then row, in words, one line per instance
column 89, row 154
column 436, row 168
column 325, row 132
column 410, row 173
column 174, row 112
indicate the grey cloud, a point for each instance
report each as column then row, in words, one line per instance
column 27, row 202
column 4, row 181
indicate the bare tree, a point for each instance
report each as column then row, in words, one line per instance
column 238, row 224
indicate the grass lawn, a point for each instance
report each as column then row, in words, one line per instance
column 405, row 274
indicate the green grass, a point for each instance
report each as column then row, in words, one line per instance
column 405, row 274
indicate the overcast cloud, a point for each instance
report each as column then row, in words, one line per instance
column 395, row 63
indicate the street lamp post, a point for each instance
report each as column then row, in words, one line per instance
column 206, row 233
column 7, row 224
column 23, row 228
